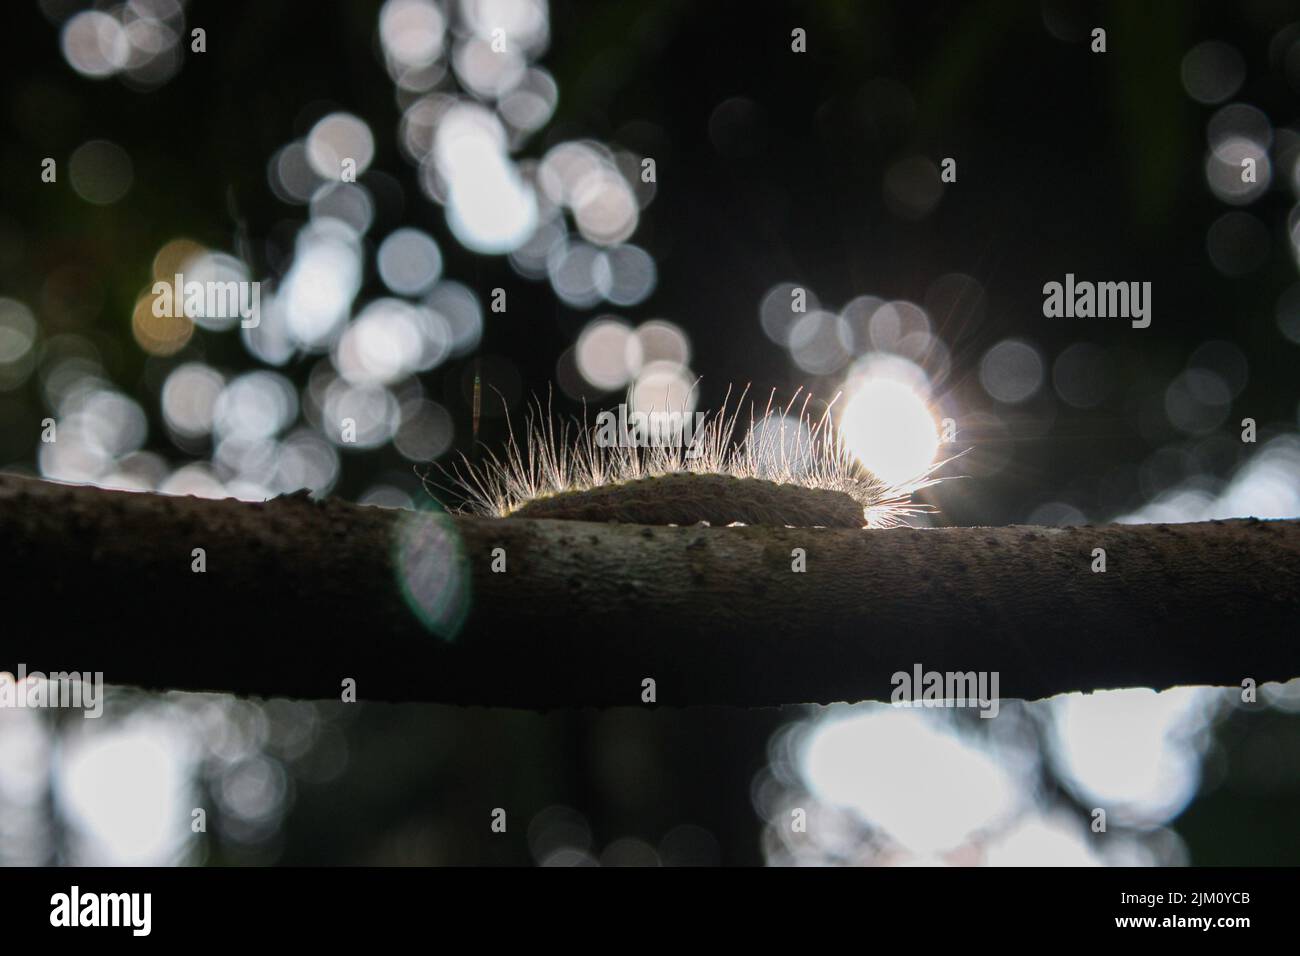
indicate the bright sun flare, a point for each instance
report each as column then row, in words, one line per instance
column 888, row 428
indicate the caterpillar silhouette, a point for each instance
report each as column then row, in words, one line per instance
column 788, row 469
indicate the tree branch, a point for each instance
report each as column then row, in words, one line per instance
column 298, row 595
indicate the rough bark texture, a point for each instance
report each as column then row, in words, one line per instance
column 297, row 596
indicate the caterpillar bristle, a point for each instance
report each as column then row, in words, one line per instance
column 787, row 469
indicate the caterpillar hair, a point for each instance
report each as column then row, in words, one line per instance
column 787, row 469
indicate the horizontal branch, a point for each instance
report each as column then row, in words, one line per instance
column 296, row 596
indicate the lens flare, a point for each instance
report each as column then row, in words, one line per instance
column 888, row 428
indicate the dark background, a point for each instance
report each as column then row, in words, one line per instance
column 1068, row 161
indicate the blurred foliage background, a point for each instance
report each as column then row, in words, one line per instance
column 522, row 169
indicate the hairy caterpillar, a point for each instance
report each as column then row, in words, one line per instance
column 786, row 470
